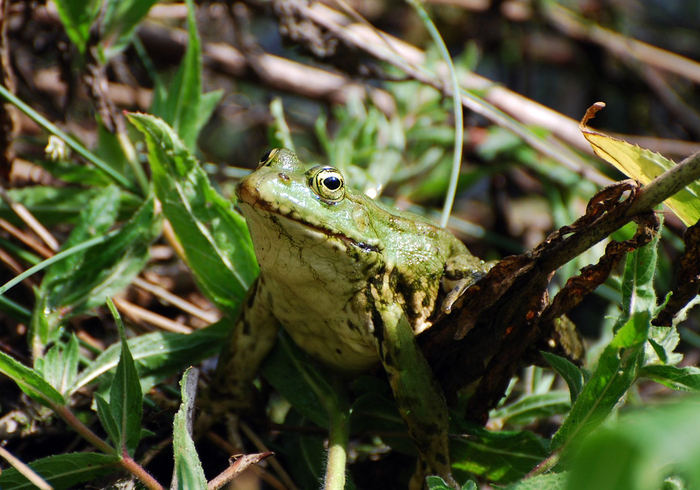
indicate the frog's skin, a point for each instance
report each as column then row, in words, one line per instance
column 352, row 281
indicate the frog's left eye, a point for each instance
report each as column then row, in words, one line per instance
column 327, row 183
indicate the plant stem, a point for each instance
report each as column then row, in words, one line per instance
column 82, row 429
column 140, row 472
column 125, row 462
column 338, row 436
column 456, row 105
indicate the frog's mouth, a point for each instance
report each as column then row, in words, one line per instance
column 260, row 205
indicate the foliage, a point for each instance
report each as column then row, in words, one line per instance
column 143, row 185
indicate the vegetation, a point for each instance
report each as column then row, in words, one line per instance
column 127, row 125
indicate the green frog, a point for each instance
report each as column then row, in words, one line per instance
column 352, row 281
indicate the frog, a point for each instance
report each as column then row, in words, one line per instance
column 352, row 281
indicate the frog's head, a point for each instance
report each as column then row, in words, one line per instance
column 307, row 207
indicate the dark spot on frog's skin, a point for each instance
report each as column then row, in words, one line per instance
column 351, row 326
column 441, row 458
column 251, row 299
column 283, row 176
column 340, row 352
column 246, row 327
column 368, row 248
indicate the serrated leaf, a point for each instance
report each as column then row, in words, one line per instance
column 501, row 457
column 214, row 237
column 125, row 396
column 188, row 468
column 30, row 382
column 642, row 165
column 296, row 377
column 63, row 472
column 159, row 354
column 684, row 379
column 567, row 370
column 615, row 373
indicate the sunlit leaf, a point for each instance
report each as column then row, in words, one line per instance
column 684, row 379
column 214, row 237
column 642, row 165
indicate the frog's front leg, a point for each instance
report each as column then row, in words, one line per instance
column 418, row 395
column 253, row 336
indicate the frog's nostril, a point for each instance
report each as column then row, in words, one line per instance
column 283, row 176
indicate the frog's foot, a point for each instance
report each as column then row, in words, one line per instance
column 456, row 292
column 461, row 272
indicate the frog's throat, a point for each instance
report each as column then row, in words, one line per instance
column 263, row 206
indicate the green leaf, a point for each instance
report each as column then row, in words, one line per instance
column 297, row 378
column 684, row 379
column 82, row 281
column 125, row 396
column 75, row 174
column 615, row 373
column 60, row 365
column 214, row 237
column 30, row 382
column 555, row 481
column 119, row 23
column 501, row 457
column 96, row 219
column 644, row 166
column 77, row 17
column 182, row 105
column 188, row 468
column 662, row 342
column 567, row 370
column 159, row 354
column 641, row 450
column 104, row 413
column 534, row 406
column 63, row 471
column 57, row 205
column 638, row 282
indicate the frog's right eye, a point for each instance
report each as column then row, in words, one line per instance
column 267, row 157
column 327, row 183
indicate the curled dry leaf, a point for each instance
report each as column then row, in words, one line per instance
column 507, row 315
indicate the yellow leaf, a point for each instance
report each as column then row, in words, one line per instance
column 642, row 165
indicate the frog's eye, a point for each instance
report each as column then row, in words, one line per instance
column 327, row 183
column 267, row 157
